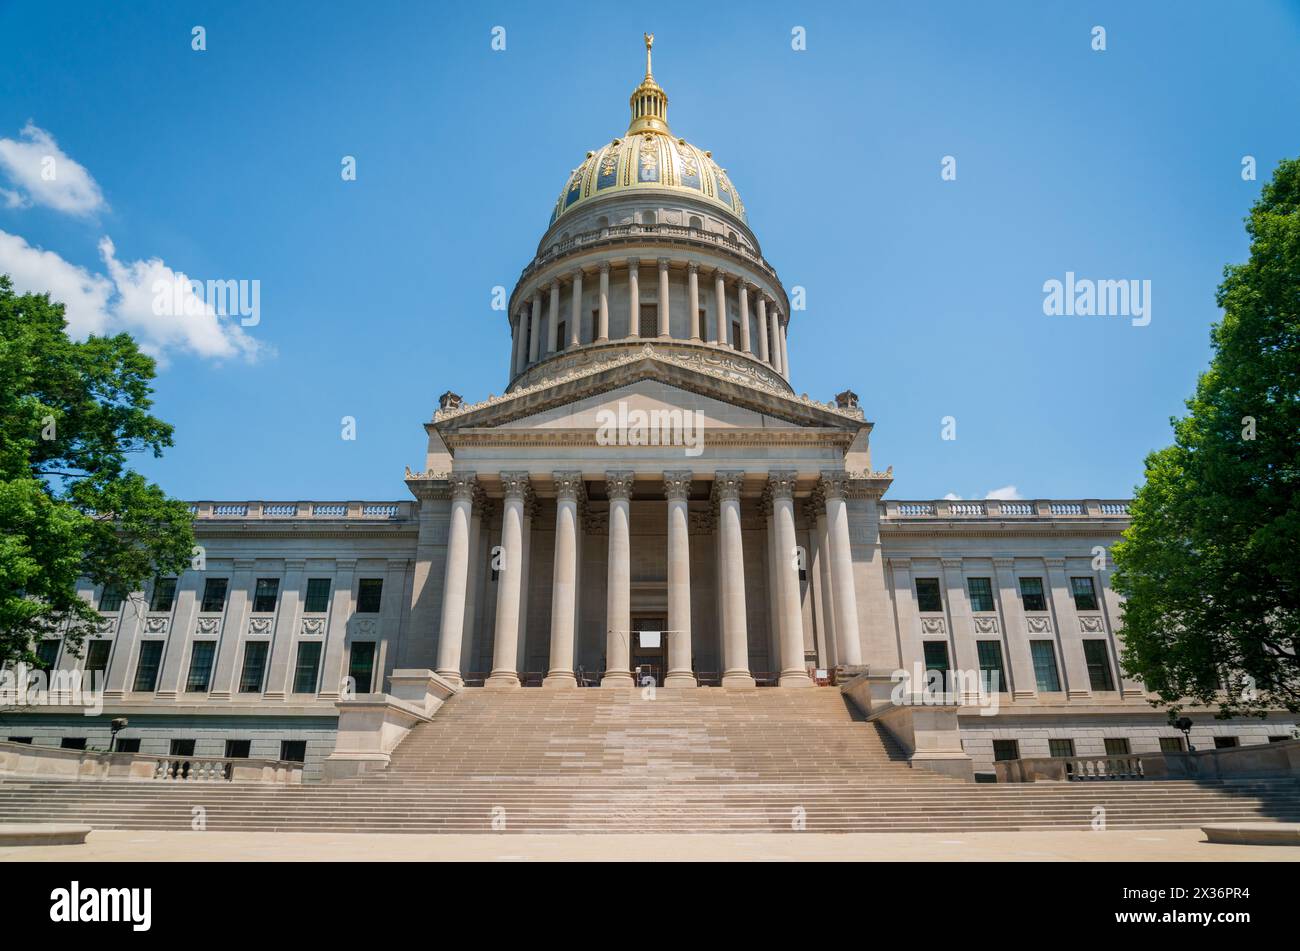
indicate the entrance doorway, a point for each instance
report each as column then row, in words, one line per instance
column 651, row 659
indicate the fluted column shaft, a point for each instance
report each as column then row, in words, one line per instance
column 677, row 486
column 618, row 673
column 848, row 640
column 782, row 331
column 564, row 590
column 535, row 326
column 762, row 329
column 693, row 297
column 633, row 297
column 553, row 319
column 735, row 645
column 665, row 328
column 793, row 672
column 720, row 305
column 743, row 295
column 602, row 317
column 510, row 575
column 575, row 313
column 451, row 633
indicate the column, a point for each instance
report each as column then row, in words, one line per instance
column 693, row 298
column 505, row 651
column 342, row 600
column 553, row 319
column 516, row 336
column 618, row 611
column 1024, row 684
column 720, row 305
column 287, row 621
column 677, row 487
column 817, row 516
column 911, row 653
column 113, row 681
column 793, row 671
column 564, row 590
column 233, row 629
column 1111, row 604
column 575, row 316
column 455, row 580
column 602, row 318
column 848, row 639
column 743, row 295
column 735, row 646
column 782, row 334
column 534, row 326
column 633, row 297
column 762, row 328
column 665, row 328
column 179, row 633
column 776, row 342
column 962, row 627
column 1077, row 684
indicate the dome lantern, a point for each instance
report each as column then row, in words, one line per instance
column 649, row 102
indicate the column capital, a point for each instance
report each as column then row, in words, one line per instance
column 1056, row 562
column 721, row 275
column 463, row 486
column 782, row 483
column 604, row 267
column 568, row 485
column 633, row 263
column 903, row 563
column 618, row 483
column 1004, row 562
column 834, row 483
column 953, row 563
column 692, row 267
column 663, row 263
column 516, row 485
column 677, row 484
column 576, row 275
column 727, row 484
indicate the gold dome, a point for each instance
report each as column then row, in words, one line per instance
column 648, row 158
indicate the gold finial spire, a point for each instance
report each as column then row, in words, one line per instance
column 649, row 102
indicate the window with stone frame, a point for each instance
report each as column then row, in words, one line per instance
column 253, row 673
column 928, row 597
column 97, row 652
column 1085, row 594
column 370, row 595
column 146, row 667
column 981, row 594
column 111, row 598
column 214, row 595
column 1097, row 656
column 264, row 595
column 1004, row 750
column 306, row 673
column 990, row 660
column 1117, row 746
column 1060, row 747
column 164, row 594
column 47, row 654
column 318, row 596
column 1046, row 673
column 1031, row 594
column 649, row 326
column 1171, row 744
column 199, row 678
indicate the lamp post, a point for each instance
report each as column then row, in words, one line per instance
column 117, row 725
column 1185, row 724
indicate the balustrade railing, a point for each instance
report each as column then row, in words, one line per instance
column 1080, row 768
column 189, row 769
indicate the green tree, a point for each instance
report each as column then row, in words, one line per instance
column 1210, row 567
column 70, row 508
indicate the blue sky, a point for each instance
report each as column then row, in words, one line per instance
column 924, row 296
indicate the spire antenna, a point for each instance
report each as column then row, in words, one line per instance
column 649, row 42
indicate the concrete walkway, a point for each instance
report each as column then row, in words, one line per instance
column 1164, row 845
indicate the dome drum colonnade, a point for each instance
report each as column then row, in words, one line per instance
column 701, row 280
column 827, row 513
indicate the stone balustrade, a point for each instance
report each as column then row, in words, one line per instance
column 303, row 511
column 28, row 761
column 1001, row 508
column 1258, row 760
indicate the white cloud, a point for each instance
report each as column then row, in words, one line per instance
column 1006, row 492
column 952, row 497
column 124, row 301
column 45, row 175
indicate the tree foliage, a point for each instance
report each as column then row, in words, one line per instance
column 70, row 508
column 1210, row 567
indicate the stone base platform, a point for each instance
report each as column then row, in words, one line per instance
column 17, row 834
column 1254, row 833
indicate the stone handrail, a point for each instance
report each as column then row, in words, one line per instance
column 1034, row 769
column 302, row 511
column 1002, row 508
column 28, row 761
column 1239, row 762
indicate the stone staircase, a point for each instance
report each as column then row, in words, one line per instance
column 706, row 760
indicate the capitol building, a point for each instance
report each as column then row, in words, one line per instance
column 649, row 504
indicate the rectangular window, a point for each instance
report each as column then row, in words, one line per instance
column 1171, row 744
column 735, row 334
column 369, row 593
column 561, row 335
column 1117, row 746
column 130, row 745
column 306, row 673
column 1005, row 750
column 936, row 658
column 361, row 666
column 649, row 320
column 293, row 751
column 1060, row 748
column 1225, row 742
column 981, row 594
column 1031, row 594
column 214, row 595
column 238, row 749
column 1098, row 658
column 97, row 655
column 264, row 595
column 73, row 743
column 1085, row 595
column 1045, row 671
column 927, row 595
column 21, row 739
column 47, row 654
column 111, row 598
column 1278, row 739
column 254, row 671
column 146, row 668
column 182, row 748
column 164, row 594
column 200, row 675
column 318, row 596
column 990, row 655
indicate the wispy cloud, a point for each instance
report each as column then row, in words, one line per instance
column 1005, row 492
column 123, row 300
column 43, row 174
